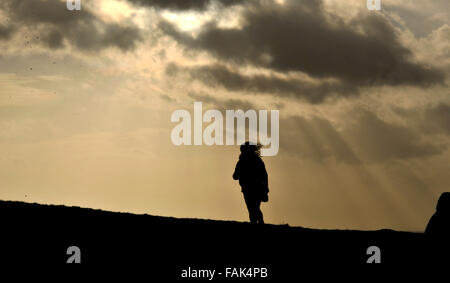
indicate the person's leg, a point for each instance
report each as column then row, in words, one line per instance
column 250, row 202
column 259, row 215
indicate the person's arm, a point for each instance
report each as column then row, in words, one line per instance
column 237, row 171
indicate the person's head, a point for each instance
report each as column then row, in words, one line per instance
column 250, row 148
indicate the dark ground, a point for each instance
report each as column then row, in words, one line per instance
column 39, row 234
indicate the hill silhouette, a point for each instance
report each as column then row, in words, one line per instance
column 33, row 233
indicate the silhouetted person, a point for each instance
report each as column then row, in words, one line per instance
column 252, row 176
column 439, row 224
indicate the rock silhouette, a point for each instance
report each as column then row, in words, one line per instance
column 439, row 224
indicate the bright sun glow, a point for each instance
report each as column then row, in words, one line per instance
column 188, row 21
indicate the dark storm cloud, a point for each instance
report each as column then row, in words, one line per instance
column 182, row 5
column 300, row 37
column 220, row 75
column 81, row 29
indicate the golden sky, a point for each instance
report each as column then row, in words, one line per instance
column 86, row 99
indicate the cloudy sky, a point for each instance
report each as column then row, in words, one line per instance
column 86, row 98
